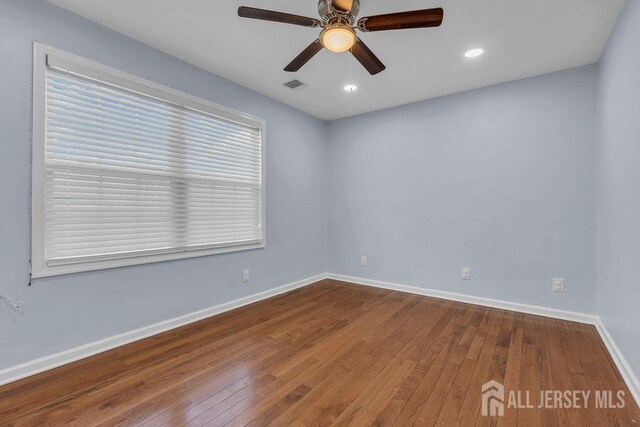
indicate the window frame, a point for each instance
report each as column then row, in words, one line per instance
column 110, row 75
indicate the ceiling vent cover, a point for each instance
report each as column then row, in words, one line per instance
column 295, row 84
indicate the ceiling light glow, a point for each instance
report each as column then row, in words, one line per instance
column 474, row 53
column 351, row 88
column 339, row 38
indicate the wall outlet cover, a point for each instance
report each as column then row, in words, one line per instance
column 558, row 285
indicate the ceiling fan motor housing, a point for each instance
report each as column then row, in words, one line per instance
column 331, row 14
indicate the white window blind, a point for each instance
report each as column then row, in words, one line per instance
column 129, row 174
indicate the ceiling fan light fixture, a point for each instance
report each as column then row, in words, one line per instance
column 339, row 38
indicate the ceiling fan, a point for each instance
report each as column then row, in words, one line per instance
column 338, row 23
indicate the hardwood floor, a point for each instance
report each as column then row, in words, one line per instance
column 330, row 353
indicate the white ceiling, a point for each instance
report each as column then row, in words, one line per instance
column 521, row 38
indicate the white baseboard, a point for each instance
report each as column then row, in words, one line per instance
column 42, row 364
column 469, row 299
column 627, row 373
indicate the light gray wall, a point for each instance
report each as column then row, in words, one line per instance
column 500, row 179
column 619, row 185
column 68, row 311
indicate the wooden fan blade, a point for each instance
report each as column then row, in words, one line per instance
column 304, row 56
column 367, row 58
column 343, row 5
column 403, row 20
column 270, row 15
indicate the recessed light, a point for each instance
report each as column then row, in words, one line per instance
column 473, row 53
column 351, row 88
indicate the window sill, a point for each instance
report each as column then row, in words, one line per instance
column 44, row 270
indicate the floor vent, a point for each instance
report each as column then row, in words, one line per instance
column 295, row 84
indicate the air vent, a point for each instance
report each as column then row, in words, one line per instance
column 295, row 84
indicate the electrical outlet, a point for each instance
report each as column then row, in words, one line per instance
column 466, row 273
column 558, row 285
column 363, row 261
column 245, row 275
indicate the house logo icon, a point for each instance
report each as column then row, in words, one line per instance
column 492, row 399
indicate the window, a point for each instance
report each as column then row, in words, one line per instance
column 127, row 172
